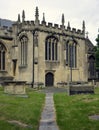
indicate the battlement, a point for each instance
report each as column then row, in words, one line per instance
column 56, row 25
column 48, row 25
column 28, row 23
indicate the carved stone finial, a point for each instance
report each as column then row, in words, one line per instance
column 43, row 20
column 87, row 34
column 19, row 18
column 23, row 16
column 43, row 17
column 83, row 27
column 63, row 20
column 68, row 26
column 37, row 14
column 0, row 22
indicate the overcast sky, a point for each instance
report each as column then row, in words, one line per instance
column 74, row 11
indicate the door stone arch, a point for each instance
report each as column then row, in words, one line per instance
column 49, row 79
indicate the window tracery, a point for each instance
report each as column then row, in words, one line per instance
column 51, row 49
column 23, row 55
column 71, row 54
column 2, row 56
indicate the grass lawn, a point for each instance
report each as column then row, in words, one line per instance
column 73, row 111
column 24, row 113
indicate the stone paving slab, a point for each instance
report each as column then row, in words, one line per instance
column 48, row 117
column 54, row 90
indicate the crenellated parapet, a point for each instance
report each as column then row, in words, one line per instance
column 29, row 23
column 48, row 26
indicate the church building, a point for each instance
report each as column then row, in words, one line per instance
column 40, row 52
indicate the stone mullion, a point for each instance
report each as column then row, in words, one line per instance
column 54, row 51
column 58, row 50
column 22, row 52
column 74, row 56
column 1, row 59
column 69, row 55
column 65, row 53
column 47, row 49
column 26, row 53
column 51, row 49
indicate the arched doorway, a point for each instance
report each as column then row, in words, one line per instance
column 49, row 79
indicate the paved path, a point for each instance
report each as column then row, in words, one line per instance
column 53, row 90
column 48, row 117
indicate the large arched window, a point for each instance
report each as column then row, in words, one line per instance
column 51, row 49
column 2, row 56
column 23, row 54
column 71, row 54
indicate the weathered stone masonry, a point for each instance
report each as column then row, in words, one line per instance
column 39, row 52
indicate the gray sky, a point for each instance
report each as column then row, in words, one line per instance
column 74, row 11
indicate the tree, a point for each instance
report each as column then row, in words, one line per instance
column 96, row 49
column 97, row 40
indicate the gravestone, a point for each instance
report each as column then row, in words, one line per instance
column 15, row 87
column 81, row 89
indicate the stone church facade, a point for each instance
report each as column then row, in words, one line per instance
column 43, row 53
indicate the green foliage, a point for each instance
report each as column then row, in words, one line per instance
column 73, row 111
column 97, row 40
column 96, row 49
column 25, row 110
column 97, row 58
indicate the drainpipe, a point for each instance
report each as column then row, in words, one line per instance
column 33, row 63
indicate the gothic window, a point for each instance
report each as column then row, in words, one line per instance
column 91, row 67
column 23, row 54
column 2, row 56
column 51, row 49
column 71, row 54
column 67, row 53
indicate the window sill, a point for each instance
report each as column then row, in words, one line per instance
column 3, row 71
column 73, row 68
column 23, row 66
column 52, row 61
